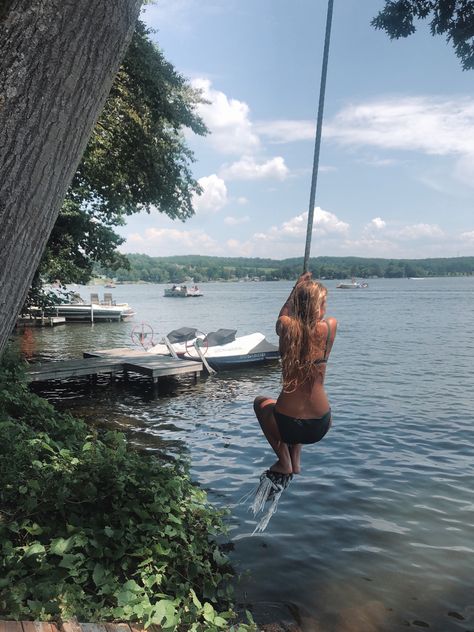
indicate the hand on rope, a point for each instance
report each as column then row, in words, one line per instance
column 305, row 276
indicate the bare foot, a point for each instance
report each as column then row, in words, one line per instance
column 295, row 454
column 281, row 468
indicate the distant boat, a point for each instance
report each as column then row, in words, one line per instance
column 110, row 284
column 353, row 285
column 183, row 291
column 78, row 310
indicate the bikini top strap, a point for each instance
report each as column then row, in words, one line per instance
column 328, row 338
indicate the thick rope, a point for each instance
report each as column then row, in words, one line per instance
column 269, row 490
column 317, row 144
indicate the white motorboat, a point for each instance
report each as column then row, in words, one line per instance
column 222, row 349
column 176, row 341
column 353, row 285
column 183, row 291
column 79, row 310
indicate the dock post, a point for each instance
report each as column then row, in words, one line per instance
column 92, row 312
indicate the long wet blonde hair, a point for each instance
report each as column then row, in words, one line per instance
column 300, row 341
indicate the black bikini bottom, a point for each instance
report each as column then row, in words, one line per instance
column 293, row 430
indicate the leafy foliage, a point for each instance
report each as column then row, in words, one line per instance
column 136, row 160
column 202, row 268
column 90, row 528
column 447, row 17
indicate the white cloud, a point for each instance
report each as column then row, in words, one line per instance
column 213, row 197
column 378, row 162
column 419, row 231
column 227, row 119
column 376, row 224
column 324, row 224
column 286, row 131
column 331, row 236
column 327, row 223
column 234, row 221
column 433, row 126
column 242, row 200
column 248, row 169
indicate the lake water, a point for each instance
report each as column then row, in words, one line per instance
column 377, row 533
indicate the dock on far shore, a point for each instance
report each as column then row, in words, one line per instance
column 113, row 361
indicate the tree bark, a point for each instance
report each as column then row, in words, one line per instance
column 58, row 59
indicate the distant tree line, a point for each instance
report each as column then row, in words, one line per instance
column 202, row 268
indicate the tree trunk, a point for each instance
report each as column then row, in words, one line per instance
column 58, row 59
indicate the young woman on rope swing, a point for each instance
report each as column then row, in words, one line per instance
column 301, row 414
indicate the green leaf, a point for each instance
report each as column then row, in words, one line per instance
column 59, row 546
column 98, row 574
column 164, row 613
column 34, row 549
column 132, row 585
column 69, row 561
column 125, row 597
column 218, row 557
column 34, row 529
column 220, row 622
column 208, row 612
column 196, row 601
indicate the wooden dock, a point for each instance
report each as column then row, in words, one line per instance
column 40, row 321
column 111, row 362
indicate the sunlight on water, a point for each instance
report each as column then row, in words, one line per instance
column 377, row 534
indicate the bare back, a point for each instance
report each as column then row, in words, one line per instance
column 309, row 400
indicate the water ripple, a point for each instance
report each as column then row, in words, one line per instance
column 376, row 534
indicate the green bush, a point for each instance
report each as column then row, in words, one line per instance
column 93, row 529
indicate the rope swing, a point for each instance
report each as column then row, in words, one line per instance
column 273, row 483
column 317, row 144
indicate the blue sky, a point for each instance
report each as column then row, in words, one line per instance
column 397, row 156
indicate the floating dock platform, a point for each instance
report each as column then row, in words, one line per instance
column 113, row 361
